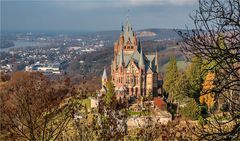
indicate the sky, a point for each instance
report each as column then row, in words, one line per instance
column 94, row 15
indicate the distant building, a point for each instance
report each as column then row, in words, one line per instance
column 134, row 73
column 55, row 68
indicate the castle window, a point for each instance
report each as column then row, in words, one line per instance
column 136, row 91
column 132, row 69
column 132, row 80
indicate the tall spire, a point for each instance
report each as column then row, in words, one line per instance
column 122, row 27
column 128, row 26
column 104, row 76
column 156, row 61
column 141, row 61
column 128, row 14
column 128, row 32
column 139, row 46
column 121, row 61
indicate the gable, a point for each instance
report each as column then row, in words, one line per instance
column 132, row 67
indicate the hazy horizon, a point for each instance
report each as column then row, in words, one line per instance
column 93, row 15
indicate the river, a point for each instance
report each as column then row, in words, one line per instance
column 23, row 43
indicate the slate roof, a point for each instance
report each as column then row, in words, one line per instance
column 139, row 58
column 149, row 60
column 128, row 33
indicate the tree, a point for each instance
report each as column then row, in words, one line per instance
column 110, row 97
column 190, row 110
column 216, row 40
column 107, row 122
column 194, row 76
column 31, row 107
column 208, row 98
column 170, row 82
column 170, row 79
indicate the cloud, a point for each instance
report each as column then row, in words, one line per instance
column 100, row 4
column 162, row 2
column 92, row 4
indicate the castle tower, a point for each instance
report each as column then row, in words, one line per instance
column 132, row 69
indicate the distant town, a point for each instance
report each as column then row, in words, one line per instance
column 46, row 53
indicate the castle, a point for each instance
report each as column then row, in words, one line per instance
column 133, row 72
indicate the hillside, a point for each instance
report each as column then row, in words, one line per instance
column 91, row 70
column 143, row 34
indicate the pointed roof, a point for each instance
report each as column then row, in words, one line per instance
column 139, row 46
column 141, row 61
column 128, row 33
column 104, row 76
column 121, row 61
column 156, row 58
column 156, row 61
column 122, row 27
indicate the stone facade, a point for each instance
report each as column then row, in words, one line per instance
column 133, row 73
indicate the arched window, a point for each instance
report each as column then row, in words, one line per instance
column 134, row 80
column 132, row 69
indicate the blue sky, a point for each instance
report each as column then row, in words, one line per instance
column 93, row 15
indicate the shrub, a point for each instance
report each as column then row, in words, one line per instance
column 189, row 111
column 203, row 110
column 201, row 121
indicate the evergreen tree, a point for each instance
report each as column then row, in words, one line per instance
column 170, row 79
column 110, row 97
column 194, row 79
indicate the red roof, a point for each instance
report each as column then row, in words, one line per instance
column 158, row 102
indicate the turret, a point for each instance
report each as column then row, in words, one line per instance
column 128, row 33
column 121, row 59
column 122, row 27
column 141, row 61
column 139, row 46
column 156, row 61
column 104, row 77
